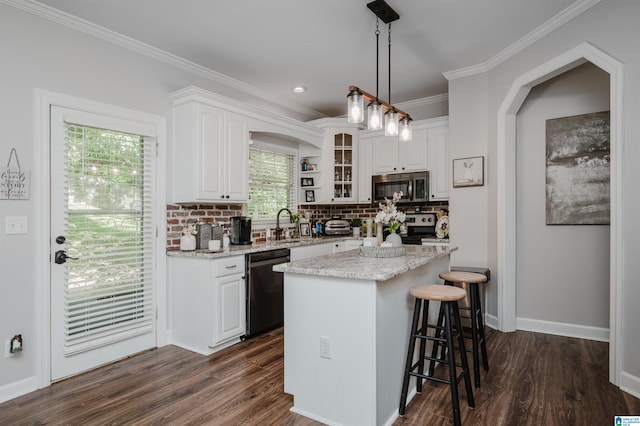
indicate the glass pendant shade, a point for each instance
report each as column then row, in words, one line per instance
column 391, row 123
column 406, row 133
column 374, row 112
column 355, row 107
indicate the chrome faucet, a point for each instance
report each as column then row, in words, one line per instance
column 278, row 229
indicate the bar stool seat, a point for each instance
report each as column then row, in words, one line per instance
column 445, row 334
column 472, row 280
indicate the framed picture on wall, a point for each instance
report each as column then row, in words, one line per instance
column 468, row 172
column 306, row 181
column 310, row 196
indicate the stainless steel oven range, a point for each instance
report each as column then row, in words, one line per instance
column 419, row 226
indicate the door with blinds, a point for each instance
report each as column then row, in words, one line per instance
column 102, row 240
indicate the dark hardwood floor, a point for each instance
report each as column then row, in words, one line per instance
column 535, row 379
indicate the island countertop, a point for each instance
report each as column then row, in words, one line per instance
column 350, row 264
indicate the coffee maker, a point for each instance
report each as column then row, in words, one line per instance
column 240, row 230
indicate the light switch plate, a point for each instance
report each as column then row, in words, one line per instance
column 16, row 225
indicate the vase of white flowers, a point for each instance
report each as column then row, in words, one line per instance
column 188, row 238
column 390, row 217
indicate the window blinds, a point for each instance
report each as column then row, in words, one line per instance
column 109, row 218
column 271, row 183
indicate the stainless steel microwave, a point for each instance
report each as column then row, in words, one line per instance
column 414, row 186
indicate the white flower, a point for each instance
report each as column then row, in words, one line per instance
column 189, row 230
column 389, row 214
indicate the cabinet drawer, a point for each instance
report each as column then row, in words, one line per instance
column 228, row 266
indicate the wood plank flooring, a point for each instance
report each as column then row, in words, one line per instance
column 535, row 379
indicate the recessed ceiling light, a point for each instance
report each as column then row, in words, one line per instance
column 299, row 89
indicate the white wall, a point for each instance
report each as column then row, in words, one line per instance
column 569, row 262
column 611, row 26
column 37, row 53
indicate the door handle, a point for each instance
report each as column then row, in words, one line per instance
column 62, row 256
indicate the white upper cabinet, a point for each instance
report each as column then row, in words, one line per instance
column 392, row 156
column 438, row 159
column 210, row 154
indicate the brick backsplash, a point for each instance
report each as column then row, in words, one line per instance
column 180, row 215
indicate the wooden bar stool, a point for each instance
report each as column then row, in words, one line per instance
column 445, row 334
column 476, row 334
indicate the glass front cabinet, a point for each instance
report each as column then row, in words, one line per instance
column 343, row 168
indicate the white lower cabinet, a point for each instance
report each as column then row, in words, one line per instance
column 208, row 302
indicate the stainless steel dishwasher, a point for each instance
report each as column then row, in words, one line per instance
column 265, row 295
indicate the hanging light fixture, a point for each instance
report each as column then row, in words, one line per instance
column 396, row 122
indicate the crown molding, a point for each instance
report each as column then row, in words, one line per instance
column 430, row 100
column 552, row 24
column 73, row 22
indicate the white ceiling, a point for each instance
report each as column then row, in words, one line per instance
column 325, row 45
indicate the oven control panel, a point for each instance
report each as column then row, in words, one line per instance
column 421, row 219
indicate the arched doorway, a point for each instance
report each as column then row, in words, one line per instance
column 506, row 171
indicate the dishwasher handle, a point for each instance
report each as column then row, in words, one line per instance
column 265, row 262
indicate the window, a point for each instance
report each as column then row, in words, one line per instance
column 272, row 181
column 109, row 294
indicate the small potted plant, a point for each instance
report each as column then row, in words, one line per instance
column 356, row 223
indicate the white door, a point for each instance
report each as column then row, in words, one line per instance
column 102, row 209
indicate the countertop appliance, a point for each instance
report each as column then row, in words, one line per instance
column 337, row 226
column 414, row 187
column 240, row 230
column 419, row 226
column 265, row 291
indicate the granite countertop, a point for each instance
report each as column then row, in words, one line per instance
column 236, row 250
column 350, row 264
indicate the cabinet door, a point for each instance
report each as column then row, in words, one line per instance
column 412, row 155
column 438, row 164
column 343, row 153
column 365, row 170
column 237, row 158
column 209, row 147
column 229, row 307
column 385, row 155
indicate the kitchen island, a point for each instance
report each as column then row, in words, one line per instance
column 346, row 331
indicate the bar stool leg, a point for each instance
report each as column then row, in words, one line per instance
column 423, row 345
column 483, row 345
column 474, row 334
column 436, row 344
column 410, row 350
column 453, row 380
column 463, row 355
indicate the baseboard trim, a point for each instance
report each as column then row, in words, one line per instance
column 563, row 329
column 19, row 388
column 630, row 384
column 491, row 321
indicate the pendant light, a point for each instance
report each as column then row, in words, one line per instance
column 395, row 121
column 405, row 131
column 355, row 106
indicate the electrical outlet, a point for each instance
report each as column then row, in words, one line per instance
column 325, row 347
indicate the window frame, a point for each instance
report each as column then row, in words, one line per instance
column 280, row 149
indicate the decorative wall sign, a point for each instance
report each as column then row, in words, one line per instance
column 578, row 170
column 14, row 182
column 468, row 172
